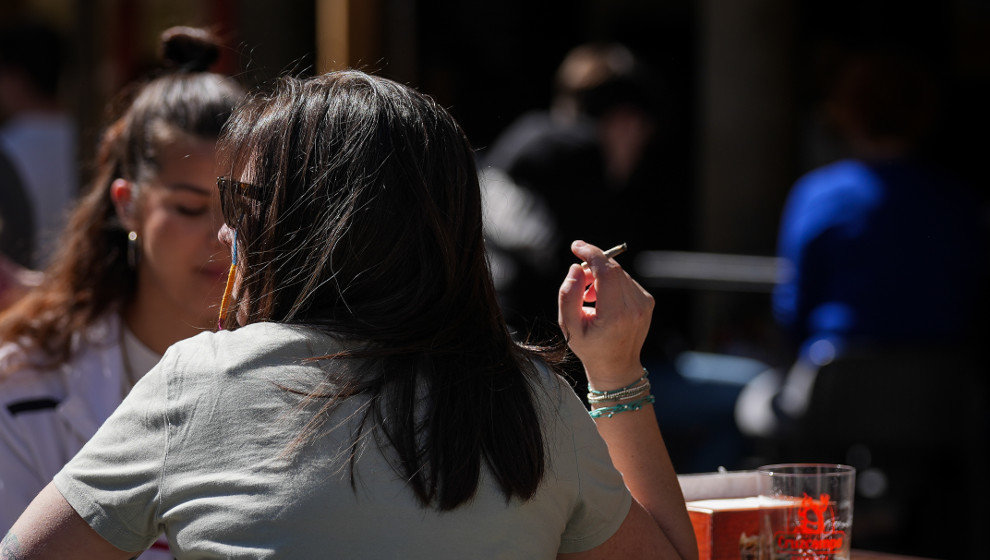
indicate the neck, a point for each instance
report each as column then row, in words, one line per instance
column 158, row 325
column 879, row 149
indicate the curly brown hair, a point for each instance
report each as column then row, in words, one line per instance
column 89, row 274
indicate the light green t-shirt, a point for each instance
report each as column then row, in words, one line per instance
column 199, row 450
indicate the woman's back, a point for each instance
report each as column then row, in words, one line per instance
column 259, row 498
column 352, row 207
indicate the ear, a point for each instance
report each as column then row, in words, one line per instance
column 122, row 196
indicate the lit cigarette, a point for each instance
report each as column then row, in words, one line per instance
column 613, row 252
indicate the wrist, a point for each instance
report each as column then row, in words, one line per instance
column 614, row 378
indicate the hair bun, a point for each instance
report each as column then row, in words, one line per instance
column 189, row 49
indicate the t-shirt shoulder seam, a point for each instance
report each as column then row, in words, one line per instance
column 159, row 494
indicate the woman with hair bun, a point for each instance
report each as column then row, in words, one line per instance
column 137, row 268
column 366, row 399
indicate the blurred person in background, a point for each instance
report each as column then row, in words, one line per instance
column 138, row 268
column 600, row 146
column 16, row 215
column 884, row 299
column 16, row 236
column 36, row 134
column 367, row 399
column 885, row 249
column 604, row 147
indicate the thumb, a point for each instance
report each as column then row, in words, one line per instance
column 570, row 300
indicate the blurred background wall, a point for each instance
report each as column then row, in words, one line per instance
column 742, row 84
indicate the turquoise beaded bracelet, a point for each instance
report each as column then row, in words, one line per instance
column 611, row 411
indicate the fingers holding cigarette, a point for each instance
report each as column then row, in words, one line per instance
column 608, row 336
column 590, row 294
column 613, row 252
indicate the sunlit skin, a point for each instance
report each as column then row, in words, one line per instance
column 183, row 266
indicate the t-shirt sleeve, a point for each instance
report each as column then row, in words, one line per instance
column 114, row 481
column 603, row 500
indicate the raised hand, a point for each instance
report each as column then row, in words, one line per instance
column 607, row 337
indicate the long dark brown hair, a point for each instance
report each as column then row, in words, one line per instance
column 89, row 274
column 367, row 226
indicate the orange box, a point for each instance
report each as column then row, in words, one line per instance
column 726, row 528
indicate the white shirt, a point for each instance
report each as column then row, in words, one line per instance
column 47, row 415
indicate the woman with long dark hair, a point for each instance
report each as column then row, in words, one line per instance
column 366, row 399
column 138, row 268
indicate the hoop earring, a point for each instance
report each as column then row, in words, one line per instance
column 133, row 250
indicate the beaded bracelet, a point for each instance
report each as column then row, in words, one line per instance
column 611, row 411
column 630, row 393
column 627, row 387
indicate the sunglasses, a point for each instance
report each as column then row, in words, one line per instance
column 237, row 200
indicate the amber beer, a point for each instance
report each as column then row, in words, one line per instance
column 807, row 512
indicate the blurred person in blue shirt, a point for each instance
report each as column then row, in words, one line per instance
column 885, row 248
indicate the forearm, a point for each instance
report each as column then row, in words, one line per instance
column 638, row 452
column 608, row 338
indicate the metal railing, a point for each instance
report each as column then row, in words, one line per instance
column 710, row 271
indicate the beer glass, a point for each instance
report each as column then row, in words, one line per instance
column 807, row 511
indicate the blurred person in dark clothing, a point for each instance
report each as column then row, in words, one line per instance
column 16, row 215
column 37, row 135
column 600, row 147
column 16, row 236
